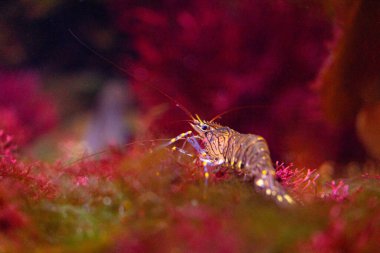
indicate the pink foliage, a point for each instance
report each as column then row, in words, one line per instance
column 204, row 230
column 332, row 239
column 11, row 218
column 17, row 176
column 193, row 229
column 25, row 111
column 339, row 191
column 216, row 55
column 7, row 147
column 358, row 233
column 306, row 183
column 299, row 180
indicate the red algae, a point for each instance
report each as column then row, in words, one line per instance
column 25, row 111
column 213, row 56
column 207, row 54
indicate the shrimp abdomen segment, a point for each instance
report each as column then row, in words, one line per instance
column 249, row 153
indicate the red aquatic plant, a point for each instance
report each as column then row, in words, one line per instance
column 338, row 191
column 332, row 239
column 298, row 180
column 7, row 146
column 203, row 230
column 25, row 111
column 307, row 184
column 194, row 228
column 216, row 55
column 347, row 231
column 11, row 218
column 18, row 175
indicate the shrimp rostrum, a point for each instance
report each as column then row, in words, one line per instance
column 248, row 154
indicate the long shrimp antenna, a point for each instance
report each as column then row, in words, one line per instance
column 235, row 109
column 125, row 71
column 108, row 150
column 117, row 66
column 183, row 108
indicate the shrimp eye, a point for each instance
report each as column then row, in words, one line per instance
column 204, row 127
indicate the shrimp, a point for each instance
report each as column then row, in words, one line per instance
column 248, row 154
column 219, row 145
